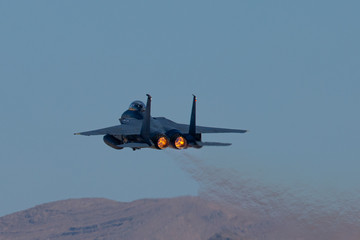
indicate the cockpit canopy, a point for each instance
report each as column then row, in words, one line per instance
column 136, row 111
column 137, row 106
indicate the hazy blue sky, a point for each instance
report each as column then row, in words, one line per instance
column 289, row 71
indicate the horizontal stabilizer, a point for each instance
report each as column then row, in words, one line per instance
column 134, row 145
column 213, row 144
column 200, row 129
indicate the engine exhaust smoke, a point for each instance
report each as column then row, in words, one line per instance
column 289, row 213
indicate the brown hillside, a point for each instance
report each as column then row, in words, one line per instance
column 176, row 218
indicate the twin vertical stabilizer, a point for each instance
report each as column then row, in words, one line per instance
column 145, row 128
column 192, row 127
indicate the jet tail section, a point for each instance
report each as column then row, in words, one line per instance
column 145, row 128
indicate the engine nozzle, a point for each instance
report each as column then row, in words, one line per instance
column 161, row 141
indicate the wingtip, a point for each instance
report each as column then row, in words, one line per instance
column 77, row 133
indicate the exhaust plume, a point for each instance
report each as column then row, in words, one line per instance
column 288, row 212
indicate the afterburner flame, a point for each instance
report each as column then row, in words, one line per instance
column 180, row 142
column 162, row 142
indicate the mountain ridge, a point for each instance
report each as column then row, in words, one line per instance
column 186, row 217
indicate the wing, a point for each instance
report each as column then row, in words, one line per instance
column 200, row 129
column 133, row 127
column 130, row 128
column 184, row 128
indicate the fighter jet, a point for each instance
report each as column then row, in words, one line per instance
column 138, row 130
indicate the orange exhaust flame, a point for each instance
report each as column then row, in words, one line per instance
column 162, row 143
column 180, row 142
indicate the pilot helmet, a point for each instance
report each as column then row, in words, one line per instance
column 137, row 106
